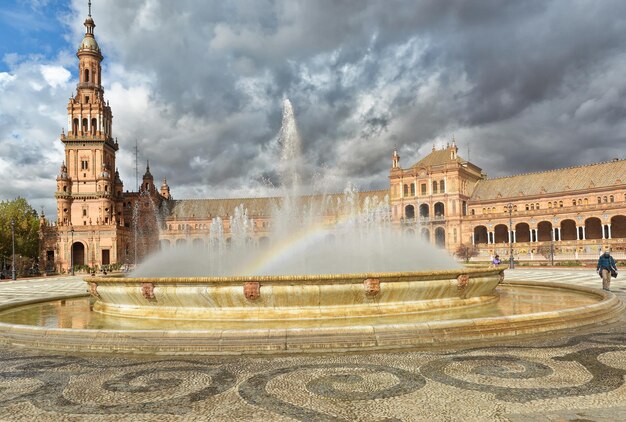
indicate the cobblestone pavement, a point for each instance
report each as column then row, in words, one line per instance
column 567, row 377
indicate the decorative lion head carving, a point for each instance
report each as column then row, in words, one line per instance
column 147, row 290
column 252, row 290
column 462, row 281
column 372, row 287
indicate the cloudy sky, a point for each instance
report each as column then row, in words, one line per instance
column 524, row 85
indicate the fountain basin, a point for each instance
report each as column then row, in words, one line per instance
column 525, row 309
column 294, row 297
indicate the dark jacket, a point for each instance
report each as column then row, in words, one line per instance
column 606, row 262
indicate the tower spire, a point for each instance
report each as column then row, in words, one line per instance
column 89, row 4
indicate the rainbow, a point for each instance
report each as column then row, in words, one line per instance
column 299, row 240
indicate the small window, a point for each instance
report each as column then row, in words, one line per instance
column 84, row 213
column 423, row 188
column 560, row 204
column 434, row 187
column 573, row 202
column 611, row 198
column 442, row 186
column 86, row 98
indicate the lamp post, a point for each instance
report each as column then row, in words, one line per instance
column 13, row 276
column 72, row 250
column 510, row 208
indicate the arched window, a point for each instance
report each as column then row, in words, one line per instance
column 586, row 201
column 94, row 125
column 604, row 199
column 549, row 204
column 84, row 128
column 484, row 211
column 514, row 208
column 527, row 207
column 434, row 187
column 532, row 207
column 86, row 75
column 442, row 186
column 406, row 190
column 560, row 204
column 75, row 126
column 412, row 189
column 472, row 212
column 599, row 200
column 611, row 198
column 573, row 202
column 537, row 206
column 580, row 202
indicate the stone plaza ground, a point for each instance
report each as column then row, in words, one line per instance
column 572, row 376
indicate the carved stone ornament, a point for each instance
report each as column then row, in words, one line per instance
column 252, row 290
column 501, row 277
column 372, row 287
column 462, row 281
column 93, row 290
column 147, row 290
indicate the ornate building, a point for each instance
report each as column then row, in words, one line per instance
column 94, row 224
column 442, row 198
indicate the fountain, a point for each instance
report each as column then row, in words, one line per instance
column 336, row 276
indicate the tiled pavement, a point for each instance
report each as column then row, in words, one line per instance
column 567, row 377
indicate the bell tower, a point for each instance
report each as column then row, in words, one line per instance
column 90, row 198
column 89, row 191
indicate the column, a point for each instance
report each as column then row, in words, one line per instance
column 559, row 231
column 514, row 237
column 603, row 229
column 473, row 239
column 609, row 231
column 510, row 236
column 577, row 233
column 584, row 236
column 553, row 234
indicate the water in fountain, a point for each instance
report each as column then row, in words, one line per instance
column 310, row 234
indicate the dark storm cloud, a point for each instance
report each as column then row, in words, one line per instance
column 528, row 85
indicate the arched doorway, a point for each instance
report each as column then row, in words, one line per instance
column 409, row 212
column 198, row 243
column 593, row 228
column 568, row 230
column 440, row 237
column 424, row 211
column 500, row 234
column 618, row 227
column 165, row 244
column 522, row 232
column 439, row 209
column 425, row 233
column 410, row 232
column 78, row 254
column 480, row 234
column 181, row 242
column 544, row 231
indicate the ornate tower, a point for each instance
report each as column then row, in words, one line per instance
column 90, row 202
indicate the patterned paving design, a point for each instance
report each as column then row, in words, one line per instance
column 566, row 377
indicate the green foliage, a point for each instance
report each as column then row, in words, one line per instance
column 26, row 229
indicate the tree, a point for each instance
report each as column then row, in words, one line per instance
column 466, row 252
column 26, row 229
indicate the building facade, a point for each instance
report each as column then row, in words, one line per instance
column 442, row 199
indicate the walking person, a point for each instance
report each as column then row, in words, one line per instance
column 606, row 268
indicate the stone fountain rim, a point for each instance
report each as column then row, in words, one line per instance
column 418, row 336
column 350, row 277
